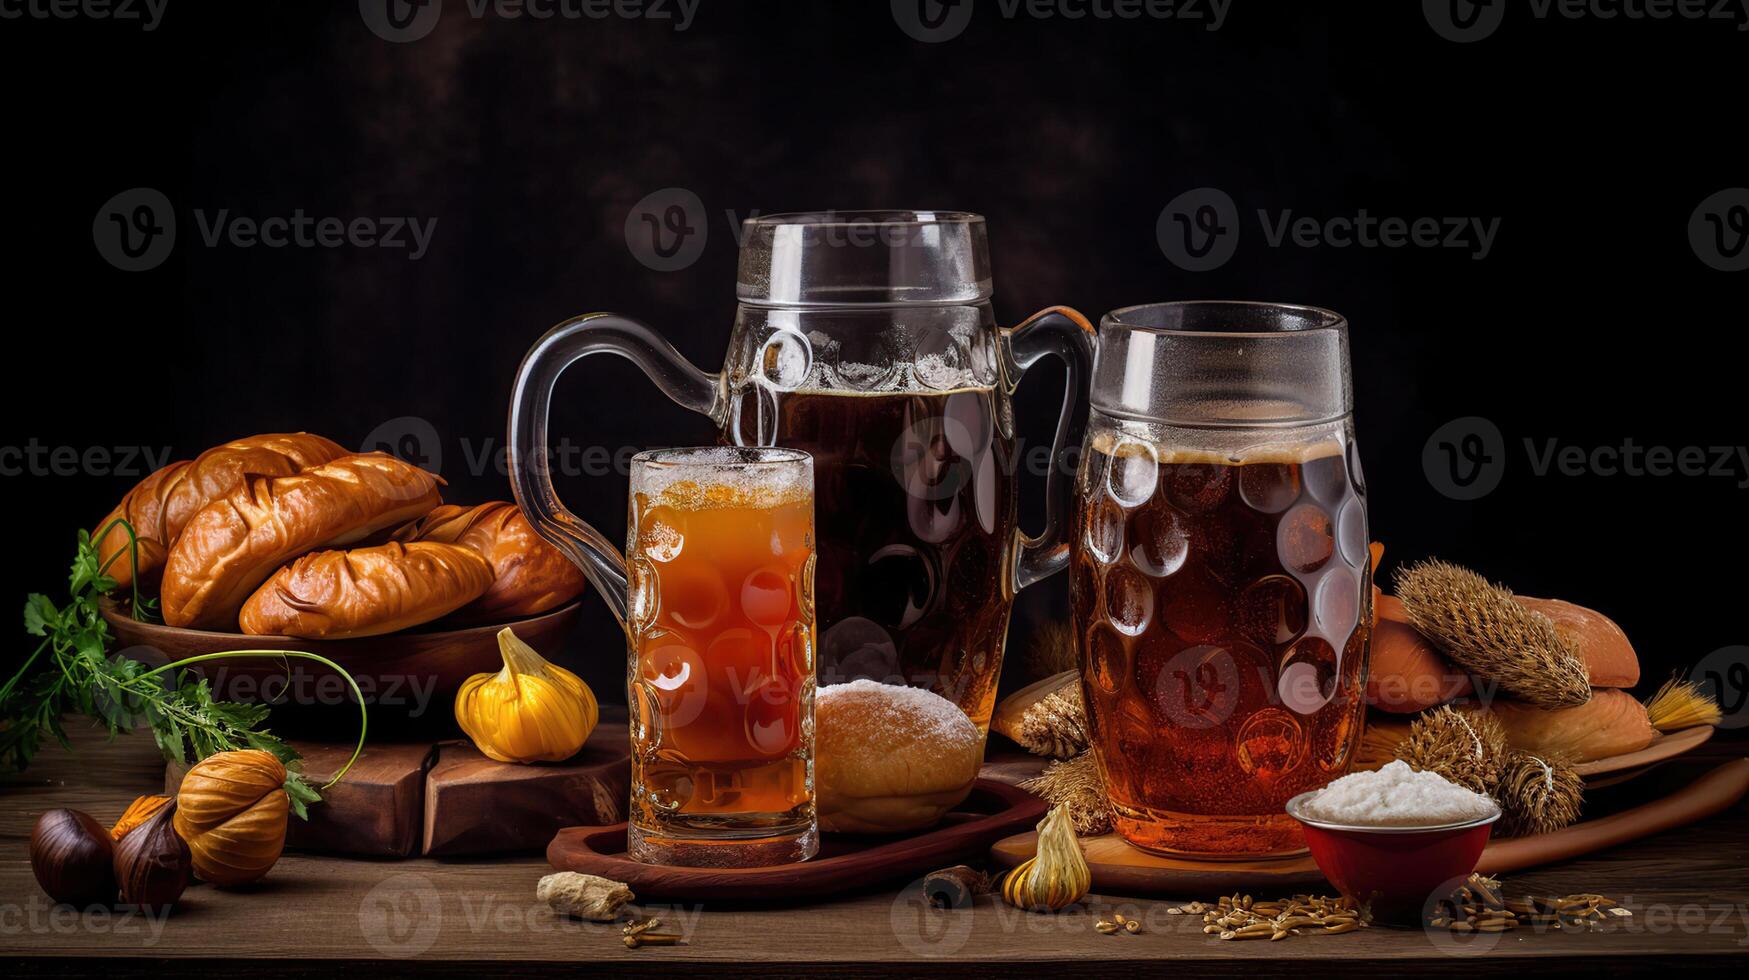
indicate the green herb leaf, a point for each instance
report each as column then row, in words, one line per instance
column 76, row 672
column 40, row 615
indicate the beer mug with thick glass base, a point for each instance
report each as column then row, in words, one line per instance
column 1220, row 582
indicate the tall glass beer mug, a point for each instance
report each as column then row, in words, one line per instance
column 720, row 677
column 1220, row 581
column 867, row 339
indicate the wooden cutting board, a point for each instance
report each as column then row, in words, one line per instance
column 476, row 806
column 407, row 798
column 846, row 862
column 1620, row 768
column 373, row 812
column 1121, row 869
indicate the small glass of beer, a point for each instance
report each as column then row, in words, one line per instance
column 1220, row 579
column 720, row 675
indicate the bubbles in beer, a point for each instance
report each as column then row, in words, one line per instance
column 1305, row 539
column 1161, row 544
column 1222, row 644
column 1104, row 529
column 1269, row 488
column 1129, row 600
column 659, row 534
column 1107, row 659
column 1132, row 474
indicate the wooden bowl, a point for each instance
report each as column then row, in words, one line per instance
column 409, row 679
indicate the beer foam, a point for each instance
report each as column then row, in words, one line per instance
column 725, row 476
column 1299, row 451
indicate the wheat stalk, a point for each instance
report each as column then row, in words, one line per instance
column 1076, row 785
column 1680, row 704
column 1477, row 624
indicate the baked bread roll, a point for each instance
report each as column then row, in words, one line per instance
column 161, row 505
column 1603, row 646
column 234, row 543
column 530, row 576
column 1611, row 723
column 366, row 591
column 890, row 758
column 1406, row 673
column 143, row 508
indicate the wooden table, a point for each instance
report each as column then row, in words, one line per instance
column 1689, row 889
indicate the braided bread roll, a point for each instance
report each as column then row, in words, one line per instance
column 366, row 591
column 530, row 576
column 162, row 504
column 234, row 543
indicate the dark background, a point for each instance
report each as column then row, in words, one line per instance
column 1592, row 321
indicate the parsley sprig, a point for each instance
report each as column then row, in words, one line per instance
column 123, row 694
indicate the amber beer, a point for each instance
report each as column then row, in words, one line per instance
column 721, row 679
column 916, row 503
column 1223, row 604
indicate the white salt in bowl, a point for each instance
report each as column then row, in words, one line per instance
column 1398, row 869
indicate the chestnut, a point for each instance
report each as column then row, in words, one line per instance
column 152, row 863
column 73, row 858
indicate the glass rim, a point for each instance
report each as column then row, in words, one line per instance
column 886, row 217
column 750, row 457
column 1325, row 319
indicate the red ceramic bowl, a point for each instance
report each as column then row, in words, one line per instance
column 1398, row 871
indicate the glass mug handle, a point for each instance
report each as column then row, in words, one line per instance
column 1063, row 333
column 530, row 462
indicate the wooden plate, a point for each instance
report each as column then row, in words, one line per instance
column 1619, row 768
column 1121, row 869
column 846, row 862
column 409, row 679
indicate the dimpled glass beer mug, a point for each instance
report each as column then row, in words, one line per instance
column 867, row 339
column 719, row 613
column 1220, row 581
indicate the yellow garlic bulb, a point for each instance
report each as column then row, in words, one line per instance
column 1058, row 875
column 531, row 711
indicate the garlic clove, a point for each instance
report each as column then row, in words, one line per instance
column 530, row 711
column 1057, row 876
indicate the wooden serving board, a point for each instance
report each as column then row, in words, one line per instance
column 1119, row 868
column 846, row 862
column 474, row 805
column 401, row 799
column 1664, row 747
column 372, row 812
